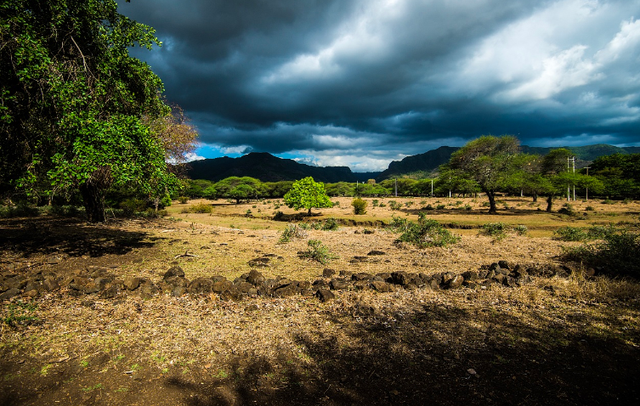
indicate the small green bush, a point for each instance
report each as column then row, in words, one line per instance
column 359, row 206
column 201, row 208
column 520, row 229
column 398, row 224
column 375, row 202
column 567, row 209
column 330, row 224
column 132, row 206
column 183, row 199
column 496, row 230
column 317, row 252
column 292, row 231
column 427, row 233
column 441, row 207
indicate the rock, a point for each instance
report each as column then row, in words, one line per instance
column 91, row 288
column 244, row 287
column 287, row 290
column 201, row 285
column 325, row 295
column 172, row 272
column 16, row 282
column 504, row 265
column 255, row 278
column 320, row 284
column 50, row 284
column 455, row 282
column 102, row 282
column 375, row 252
column 338, row 284
column 362, row 285
column 400, row 278
column 132, row 283
column 361, row 276
column 179, row 291
column 382, row 287
column 148, row 289
column 470, row 275
column 328, row 272
column 261, row 262
column 344, row 273
column 13, row 292
column 434, row 284
column 110, row 292
column 221, row 286
column 510, row 282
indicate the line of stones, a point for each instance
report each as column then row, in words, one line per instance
column 252, row 284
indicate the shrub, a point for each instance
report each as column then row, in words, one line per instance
column 375, row 202
column 441, row 207
column 617, row 254
column 359, row 206
column 496, row 230
column 330, row 224
column 567, row 209
column 317, row 252
column 201, row 208
column 427, row 233
column 589, row 208
column 428, row 207
column 398, row 224
column 292, row 231
column 132, row 206
column 183, row 199
column 278, row 216
column 520, row 229
column 569, row 233
column 21, row 210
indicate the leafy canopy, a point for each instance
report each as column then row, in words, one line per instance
column 72, row 101
column 307, row 193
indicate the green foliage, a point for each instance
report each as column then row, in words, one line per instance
column 398, row 224
column 567, row 209
column 20, row 210
column 183, row 199
column 201, row 208
column 427, row 233
column 318, row 252
column 290, row 232
column 73, row 102
column 496, row 230
column 489, row 161
column 616, row 254
column 568, row 233
column 308, row 194
column 132, row 205
column 359, row 206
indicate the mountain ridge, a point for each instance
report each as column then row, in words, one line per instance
column 269, row 168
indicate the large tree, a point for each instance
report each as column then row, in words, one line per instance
column 308, row 194
column 490, row 161
column 72, row 101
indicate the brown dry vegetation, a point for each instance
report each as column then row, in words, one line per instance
column 560, row 341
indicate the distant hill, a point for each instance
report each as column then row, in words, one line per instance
column 267, row 168
column 422, row 165
column 418, row 166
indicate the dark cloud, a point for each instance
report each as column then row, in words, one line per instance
column 362, row 82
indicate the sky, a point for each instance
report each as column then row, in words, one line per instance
column 360, row 83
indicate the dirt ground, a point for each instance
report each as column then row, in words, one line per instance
column 560, row 340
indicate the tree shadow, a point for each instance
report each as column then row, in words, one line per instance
column 49, row 236
column 436, row 355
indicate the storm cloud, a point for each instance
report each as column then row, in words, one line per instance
column 364, row 82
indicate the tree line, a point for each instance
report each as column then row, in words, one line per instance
column 488, row 165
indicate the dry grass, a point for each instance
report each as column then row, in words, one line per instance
column 556, row 340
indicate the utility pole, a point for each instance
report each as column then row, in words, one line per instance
column 574, row 172
column 431, row 187
column 395, row 181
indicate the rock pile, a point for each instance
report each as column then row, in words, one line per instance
column 100, row 282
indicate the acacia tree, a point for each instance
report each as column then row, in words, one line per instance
column 489, row 161
column 308, row 194
column 72, row 101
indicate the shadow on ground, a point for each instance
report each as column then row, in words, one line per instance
column 435, row 356
column 73, row 237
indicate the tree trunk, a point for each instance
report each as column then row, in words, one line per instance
column 309, row 212
column 93, row 201
column 549, row 203
column 492, row 203
column 535, row 197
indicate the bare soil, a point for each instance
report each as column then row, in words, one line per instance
column 553, row 341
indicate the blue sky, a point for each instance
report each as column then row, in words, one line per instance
column 360, row 83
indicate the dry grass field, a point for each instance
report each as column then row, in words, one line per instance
column 568, row 339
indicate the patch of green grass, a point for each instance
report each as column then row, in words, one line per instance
column 20, row 313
